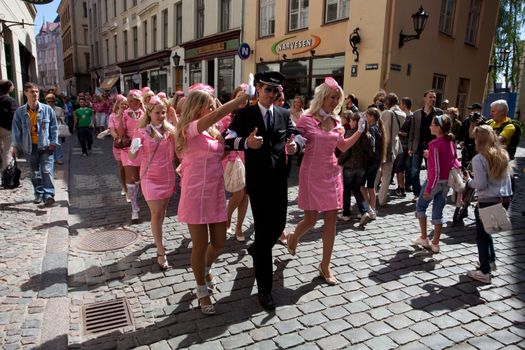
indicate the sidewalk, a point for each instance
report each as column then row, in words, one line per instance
column 390, row 295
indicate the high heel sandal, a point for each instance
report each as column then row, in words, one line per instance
column 202, row 292
column 330, row 280
column 211, row 282
column 165, row 265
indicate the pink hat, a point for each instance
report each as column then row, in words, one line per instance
column 154, row 100
column 135, row 94
column 145, row 89
column 332, row 83
column 202, row 87
column 161, row 95
column 179, row 93
column 120, row 98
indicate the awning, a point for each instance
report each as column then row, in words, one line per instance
column 108, row 83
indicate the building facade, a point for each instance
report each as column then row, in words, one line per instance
column 50, row 62
column 165, row 45
column 75, row 45
column 17, row 44
column 358, row 44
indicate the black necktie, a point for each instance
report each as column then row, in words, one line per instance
column 269, row 126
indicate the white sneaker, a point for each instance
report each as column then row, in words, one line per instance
column 434, row 247
column 134, row 216
column 344, row 218
column 103, row 134
column 423, row 242
column 372, row 214
column 479, row 276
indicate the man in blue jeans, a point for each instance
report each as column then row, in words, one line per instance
column 34, row 133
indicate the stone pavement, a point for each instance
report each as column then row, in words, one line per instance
column 390, row 295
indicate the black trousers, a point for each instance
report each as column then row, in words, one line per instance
column 85, row 137
column 269, row 202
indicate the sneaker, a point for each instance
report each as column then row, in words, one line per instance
column 84, row 154
column 344, row 218
column 372, row 214
column 400, row 192
column 364, row 219
column 423, row 242
column 414, row 200
column 103, row 134
column 493, row 266
column 123, row 192
column 434, row 247
column 37, row 200
column 49, row 201
column 134, row 216
column 479, row 276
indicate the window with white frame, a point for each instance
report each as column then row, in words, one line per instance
column 178, row 23
column 225, row 15
column 336, row 10
column 145, row 32
column 438, row 85
column 154, row 32
column 115, row 47
column 266, row 17
column 473, row 22
column 199, row 19
column 298, row 15
column 446, row 19
column 165, row 29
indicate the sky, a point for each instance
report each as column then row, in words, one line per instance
column 47, row 12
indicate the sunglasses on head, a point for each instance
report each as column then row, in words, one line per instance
column 270, row 89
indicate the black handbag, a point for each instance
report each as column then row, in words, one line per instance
column 11, row 175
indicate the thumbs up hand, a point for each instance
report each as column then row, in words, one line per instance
column 253, row 141
column 251, row 88
column 291, row 146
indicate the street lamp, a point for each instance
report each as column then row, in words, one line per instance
column 176, row 59
column 420, row 20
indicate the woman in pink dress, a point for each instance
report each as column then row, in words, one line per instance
column 131, row 118
column 202, row 202
column 320, row 188
column 121, row 104
column 154, row 141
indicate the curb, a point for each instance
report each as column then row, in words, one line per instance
column 55, row 326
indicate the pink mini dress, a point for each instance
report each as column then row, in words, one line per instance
column 131, row 120
column 157, row 180
column 113, row 123
column 320, row 187
column 203, row 198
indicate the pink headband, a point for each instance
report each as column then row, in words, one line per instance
column 202, row 87
column 154, row 100
column 331, row 83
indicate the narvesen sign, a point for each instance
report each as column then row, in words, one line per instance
column 297, row 46
column 39, row 2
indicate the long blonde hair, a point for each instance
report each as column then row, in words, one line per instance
column 488, row 145
column 195, row 105
column 321, row 92
column 144, row 121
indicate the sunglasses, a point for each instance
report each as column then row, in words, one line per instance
column 270, row 89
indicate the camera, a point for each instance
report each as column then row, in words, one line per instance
column 474, row 116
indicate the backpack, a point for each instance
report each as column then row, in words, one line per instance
column 516, row 137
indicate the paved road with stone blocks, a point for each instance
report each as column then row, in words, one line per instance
column 390, row 295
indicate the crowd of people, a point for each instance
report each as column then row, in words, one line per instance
column 194, row 137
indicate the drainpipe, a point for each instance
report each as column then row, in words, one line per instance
column 392, row 6
column 242, row 37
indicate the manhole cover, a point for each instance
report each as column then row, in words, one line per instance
column 105, row 316
column 102, row 241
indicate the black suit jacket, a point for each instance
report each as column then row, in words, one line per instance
column 270, row 159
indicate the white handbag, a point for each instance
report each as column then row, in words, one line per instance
column 494, row 218
column 63, row 130
column 455, row 180
column 234, row 175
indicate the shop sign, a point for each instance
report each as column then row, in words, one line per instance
column 210, row 48
column 372, row 66
column 297, row 46
column 244, row 51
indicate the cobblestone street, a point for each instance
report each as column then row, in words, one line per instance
column 390, row 295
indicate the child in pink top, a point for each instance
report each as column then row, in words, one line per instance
column 441, row 157
column 202, row 202
column 121, row 104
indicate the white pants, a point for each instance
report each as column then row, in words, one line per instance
column 386, row 174
column 101, row 120
column 5, row 147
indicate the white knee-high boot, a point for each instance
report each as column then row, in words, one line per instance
column 132, row 193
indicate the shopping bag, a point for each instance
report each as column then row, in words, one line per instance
column 11, row 175
column 494, row 218
column 234, row 175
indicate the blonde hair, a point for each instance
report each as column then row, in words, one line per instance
column 321, row 92
column 118, row 103
column 194, row 108
column 489, row 146
column 170, row 129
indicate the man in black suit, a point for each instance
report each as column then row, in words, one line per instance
column 266, row 135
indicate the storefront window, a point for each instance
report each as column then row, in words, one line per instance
column 195, row 73
column 330, row 66
column 296, row 82
column 263, row 67
column 130, row 83
column 158, row 80
column 226, row 79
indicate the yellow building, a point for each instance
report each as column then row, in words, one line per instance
column 308, row 40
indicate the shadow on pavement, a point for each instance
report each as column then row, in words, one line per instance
column 402, row 263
